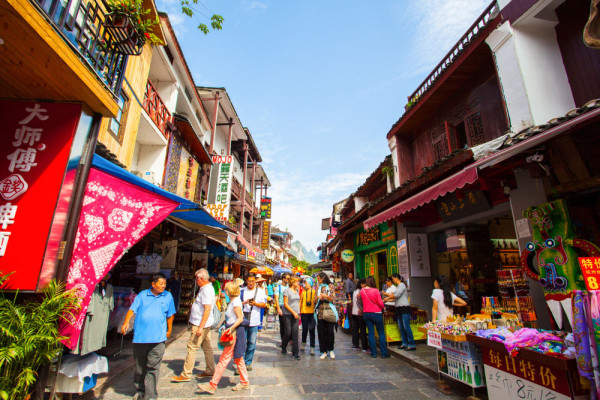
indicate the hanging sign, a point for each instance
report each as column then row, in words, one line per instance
column 37, row 141
column 265, row 208
column 418, row 250
column 458, row 205
column 220, row 208
column 347, row 255
column 265, row 235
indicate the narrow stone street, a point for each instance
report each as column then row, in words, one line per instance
column 352, row 375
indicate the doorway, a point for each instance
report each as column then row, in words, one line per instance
column 381, row 273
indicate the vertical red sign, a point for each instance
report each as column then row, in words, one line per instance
column 37, row 140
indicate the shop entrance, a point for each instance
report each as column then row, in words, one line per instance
column 381, row 268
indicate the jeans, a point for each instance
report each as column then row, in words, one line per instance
column 308, row 326
column 359, row 332
column 405, row 330
column 326, row 334
column 290, row 326
column 376, row 320
column 147, row 357
column 251, row 334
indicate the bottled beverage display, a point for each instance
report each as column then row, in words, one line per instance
column 477, row 376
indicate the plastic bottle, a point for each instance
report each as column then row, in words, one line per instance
column 469, row 377
column 477, row 376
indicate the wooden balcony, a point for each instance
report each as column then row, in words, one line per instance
column 156, row 109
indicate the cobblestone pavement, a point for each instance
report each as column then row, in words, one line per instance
column 352, row 375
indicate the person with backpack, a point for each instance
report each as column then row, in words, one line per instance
column 202, row 319
column 254, row 299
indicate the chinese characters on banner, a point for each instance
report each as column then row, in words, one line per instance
column 458, row 205
column 368, row 236
column 590, row 268
column 418, row 250
column 115, row 215
column 265, row 235
column 265, row 208
column 33, row 160
column 220, row 209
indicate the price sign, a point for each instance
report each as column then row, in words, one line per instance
column 434, row 339
column 590, row 268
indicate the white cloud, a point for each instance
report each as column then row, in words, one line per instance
column 254, row 6
column 438, row 25
column 300, row 202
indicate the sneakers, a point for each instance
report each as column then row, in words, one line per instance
column 248, row 367
column 355, row 348
column 205, row 387
column 323, row 356
column 204, row 375
column 284, row 352
column 180, row 378
column 236, row 371
column 239, row 387
column 332, row 355
column 312, row 351
column 297, row 358
column 366, row 351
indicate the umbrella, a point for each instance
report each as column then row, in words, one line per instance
column 281, row 270
column 261, row 270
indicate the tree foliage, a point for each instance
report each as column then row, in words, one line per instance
column 29, row 337
column 216, row 21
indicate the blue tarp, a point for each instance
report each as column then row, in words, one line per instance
column 197, row 215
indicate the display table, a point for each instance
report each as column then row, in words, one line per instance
column 529, row 375
column 457, row 358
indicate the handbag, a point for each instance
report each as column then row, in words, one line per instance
column 227, row 339
column 326, row 313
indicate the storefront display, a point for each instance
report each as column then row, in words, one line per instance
column 545, row 374
column 376, row 253
column 187, row 297
column 515, row 297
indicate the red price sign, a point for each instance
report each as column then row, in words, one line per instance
column 590, row 267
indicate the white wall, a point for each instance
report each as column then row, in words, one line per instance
column 359, row 203
column 150, row 158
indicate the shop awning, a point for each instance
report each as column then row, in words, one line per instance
column 243, row 241
column 187, row 213
column 456, row 181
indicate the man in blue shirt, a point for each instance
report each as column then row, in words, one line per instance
column 154, row 312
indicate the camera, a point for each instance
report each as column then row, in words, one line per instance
column 309, row 303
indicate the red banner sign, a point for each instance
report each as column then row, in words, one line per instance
column 590, row 268
column 37, row 141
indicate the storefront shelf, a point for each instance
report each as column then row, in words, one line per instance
column 454, row 338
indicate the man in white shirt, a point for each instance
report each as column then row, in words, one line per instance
column 254, row 299
column 201, row 320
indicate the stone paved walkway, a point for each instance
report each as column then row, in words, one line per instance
column 352, row 375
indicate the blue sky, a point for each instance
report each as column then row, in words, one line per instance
column 319, row 84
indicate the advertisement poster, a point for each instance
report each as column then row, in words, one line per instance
column 403, row 261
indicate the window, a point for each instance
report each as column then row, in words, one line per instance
column 116, row 127
column 439, row 140
column 475, row 129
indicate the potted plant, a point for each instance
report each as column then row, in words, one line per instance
column 129, row 25
column 29, row 337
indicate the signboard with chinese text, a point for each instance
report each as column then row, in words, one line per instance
column 251, row 255
column 403, row 261
column 265, row 208
column 265, row 235
column 434, row 339
column 507, row 376
column 366, row 237
column 461, row 361
column 38, row 138
column 388, row 235
column 418, row 250
column 590, row 268
column 462, row 204
column 220, row 208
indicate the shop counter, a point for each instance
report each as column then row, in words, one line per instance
column 529, row 375
column 457, row 358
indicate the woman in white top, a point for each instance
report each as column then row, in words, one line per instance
column 443, row 299
column 234, row 317
column 390, row 306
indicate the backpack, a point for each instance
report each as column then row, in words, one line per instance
column 216, row 313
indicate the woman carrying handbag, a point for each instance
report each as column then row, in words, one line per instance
column 372, row 313
column 236, row 347
column 326, row 316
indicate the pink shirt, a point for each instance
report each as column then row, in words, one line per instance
column 371, row 300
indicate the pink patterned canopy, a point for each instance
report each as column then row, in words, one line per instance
column 115, row 215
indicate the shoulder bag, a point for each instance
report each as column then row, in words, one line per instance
column 370, row 301
column 325, row 312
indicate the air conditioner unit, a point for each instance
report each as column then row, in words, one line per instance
column 146, row 175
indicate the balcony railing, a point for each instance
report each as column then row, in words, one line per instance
column 156, row 109
column 490, row 13
column 82, row 25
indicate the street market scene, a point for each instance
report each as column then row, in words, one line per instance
column 303, row 200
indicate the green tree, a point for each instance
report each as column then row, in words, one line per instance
column 29, row 337
column 216, row 21
column 297, row 263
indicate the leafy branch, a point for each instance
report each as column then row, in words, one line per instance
column 216, row 21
